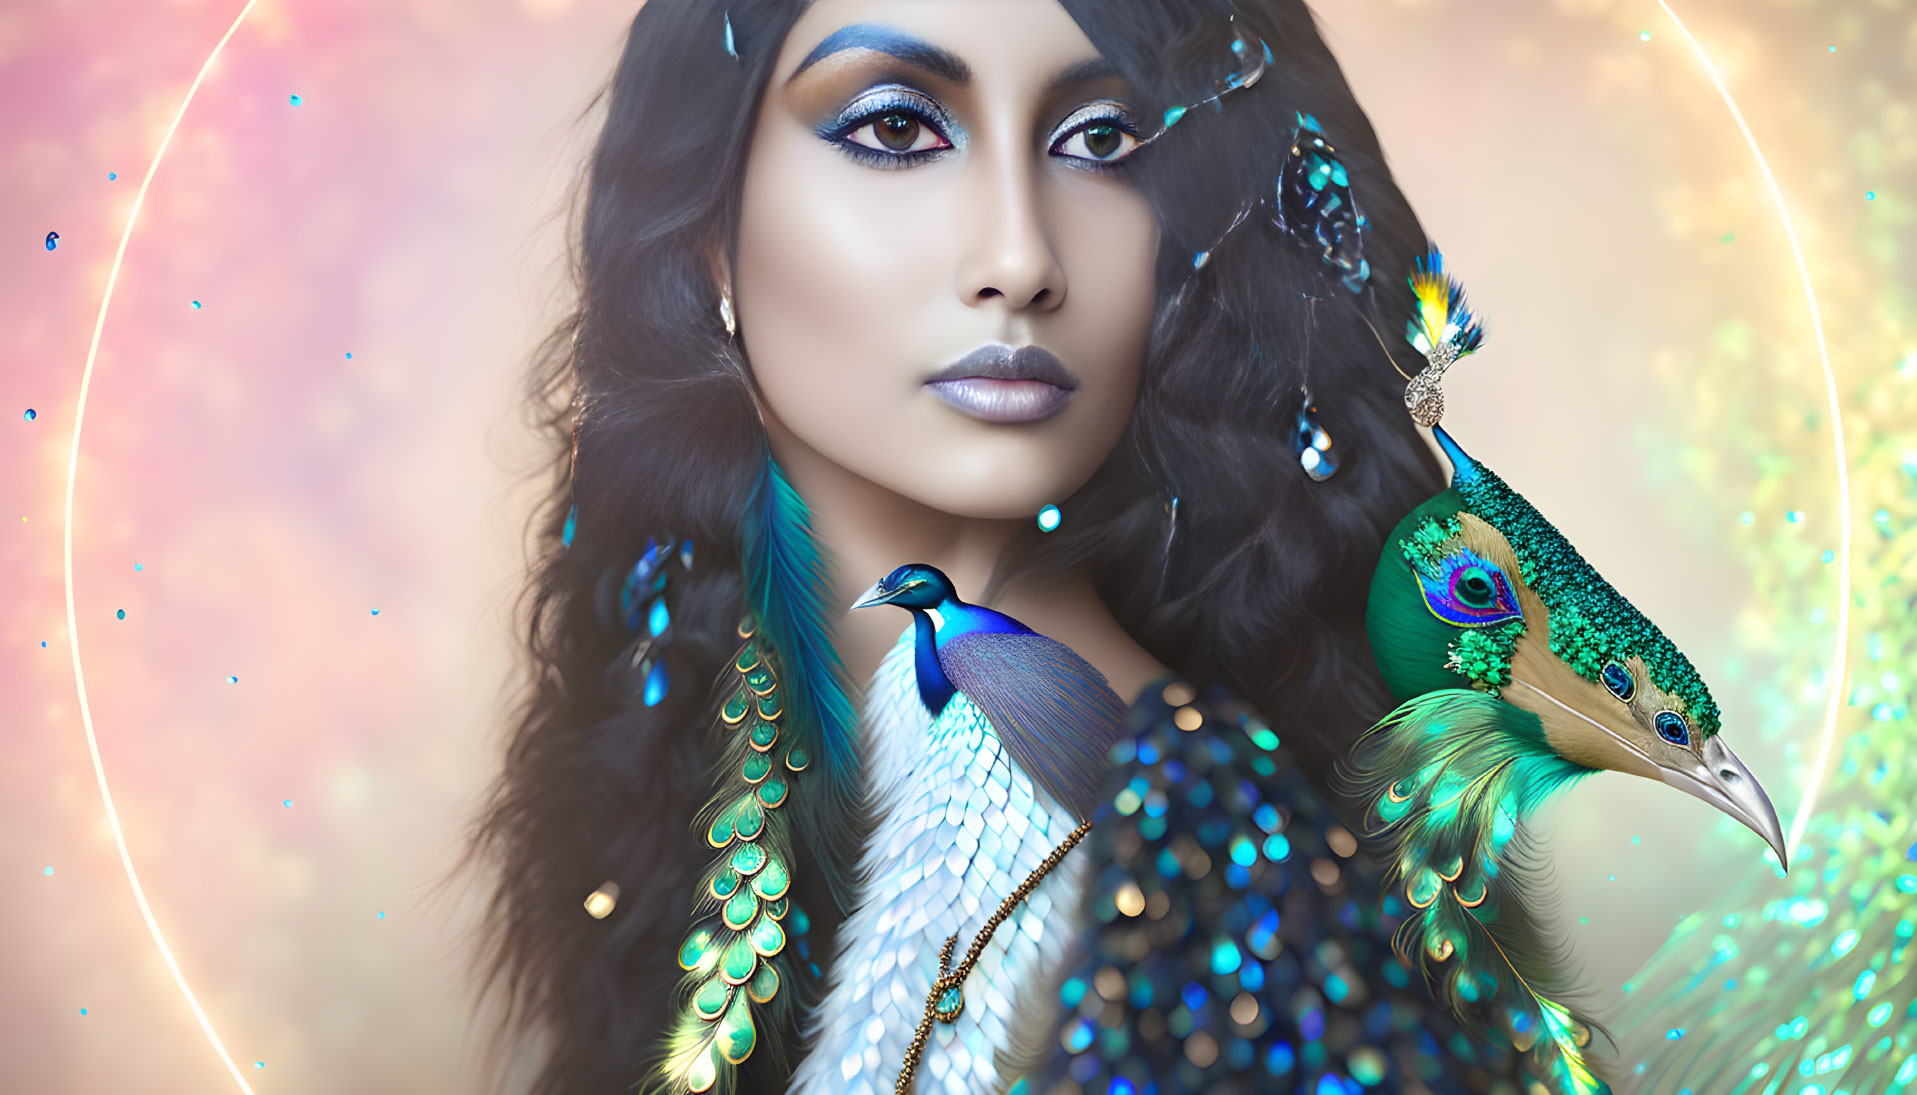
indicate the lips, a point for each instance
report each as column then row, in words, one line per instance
column 1001, row 383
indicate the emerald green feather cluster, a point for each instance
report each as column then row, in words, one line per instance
column 1591, row 622
column 734, row 958
column 1448, row 775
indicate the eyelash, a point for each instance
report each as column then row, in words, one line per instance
column 908, row 105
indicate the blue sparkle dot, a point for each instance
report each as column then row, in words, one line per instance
column 287, row 802
column 1674, row 1033
column 1794, row 516
column 53, row 240
column 294, row 99
column 1746, row 517
column 380, row 915
column 31, row 414
column 259, row 1064
column 1612, row 878
column 1049, row 518
column 1644, row 36
column 231, row 679
column 49, row 868
column 349, row 355
column 121, row 615
column 1870, row 195
column 1833, row 49
column 137, row 566
column 1636, row 839
column 43, row 644
column 83, row 1011
column 1584, row 920
column 376, row 612
column 1910, row 855
column 112, row 176
column 196, row 304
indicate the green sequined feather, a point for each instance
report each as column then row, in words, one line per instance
column 734, row 989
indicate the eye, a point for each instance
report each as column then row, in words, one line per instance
column 1672, row 728
column 1469, row 591
column 1619, row 680
column 1099, row 136
column 893, row 127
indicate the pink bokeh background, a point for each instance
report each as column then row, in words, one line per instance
column 249, row 494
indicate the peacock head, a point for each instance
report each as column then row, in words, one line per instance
column 1475, row 589
column 914, row 585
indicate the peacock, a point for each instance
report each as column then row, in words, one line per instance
column 1519, row 671
column 986, row 745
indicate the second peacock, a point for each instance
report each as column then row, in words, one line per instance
column 1520, row 671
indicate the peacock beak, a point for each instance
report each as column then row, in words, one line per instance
column 1719, row 778
column 874, row 596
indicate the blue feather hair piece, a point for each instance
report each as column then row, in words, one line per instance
column 786, row 576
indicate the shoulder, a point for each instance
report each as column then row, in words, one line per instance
column 1237, row 940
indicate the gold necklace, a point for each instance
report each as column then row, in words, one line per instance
column 946, row 1001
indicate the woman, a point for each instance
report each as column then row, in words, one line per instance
column 800, row 220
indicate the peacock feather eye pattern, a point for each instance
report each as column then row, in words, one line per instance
column 1464, row 589
column 1672, row 728
column 1619, row 680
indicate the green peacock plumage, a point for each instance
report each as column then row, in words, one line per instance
column 779, row 718
column 1450, row 774
column 1519, row 671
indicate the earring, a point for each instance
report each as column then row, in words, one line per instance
column 725, row 312
column 1311, row 444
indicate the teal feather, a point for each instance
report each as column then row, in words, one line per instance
column 787, row 575
column 1449, row 776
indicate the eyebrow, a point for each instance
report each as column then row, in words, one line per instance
column 936, row 60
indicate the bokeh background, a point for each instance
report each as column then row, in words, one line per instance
column 312, row 482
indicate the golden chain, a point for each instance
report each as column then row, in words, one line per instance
column 950, row 978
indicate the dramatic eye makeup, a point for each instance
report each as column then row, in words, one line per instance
column 894, row 126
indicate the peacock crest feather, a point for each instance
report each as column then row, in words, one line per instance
column 1447, row 777
column 1443, row 326
column 786, row 712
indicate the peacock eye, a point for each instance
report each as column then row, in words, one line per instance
column 1619, row 680
column 1671, row 727
column 1475, row 589
column 1469, row 590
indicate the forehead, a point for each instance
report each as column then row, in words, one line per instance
column 1031, row 43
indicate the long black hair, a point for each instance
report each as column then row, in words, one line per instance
column 650, row 428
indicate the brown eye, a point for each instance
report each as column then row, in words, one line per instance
column 898, row 132
column 1099, row 143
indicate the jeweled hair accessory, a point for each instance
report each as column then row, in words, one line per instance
column 1443, row 330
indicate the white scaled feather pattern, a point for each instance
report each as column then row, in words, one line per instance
column 958, row 828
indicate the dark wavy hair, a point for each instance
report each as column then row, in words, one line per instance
column 1262, row 588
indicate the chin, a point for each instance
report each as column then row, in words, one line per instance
column 990, row 481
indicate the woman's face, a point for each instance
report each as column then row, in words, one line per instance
column 931, row 178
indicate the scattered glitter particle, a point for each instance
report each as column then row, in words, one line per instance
column 43, row 644
column 1869, row 196
column 1612, row 878
column 230, row 679
column 294, row 99
column 53, row 240
column 49, row 868
column 1794, row 516
column 381, row 915
column 111, row 175
column 1746, row 517
column 1912, row 854
column 196, row 304
column 376, row 612
column 83, row 1011
column 288, row 803
column 121, row 614
column 1730, row 237
column 1584, row 920
column 1833, row 49
column 259, row 1064
column 1048, row 518
column 1636, row 839
column 1674, row 1033
column 32, row 414
column 349, row 355
column 1644, row 36
column 1829, row 555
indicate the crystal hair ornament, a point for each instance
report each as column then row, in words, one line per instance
column 1443, row 330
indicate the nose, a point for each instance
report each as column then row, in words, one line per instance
column 1009, row 254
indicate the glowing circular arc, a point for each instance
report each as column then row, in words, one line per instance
column 73, row 627
column 1840, row 658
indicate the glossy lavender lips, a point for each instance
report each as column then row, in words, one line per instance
column 1000, row 383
